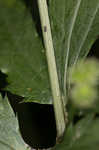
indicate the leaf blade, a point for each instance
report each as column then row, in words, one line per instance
column 80, row 30
column 9, row 130
column 25, row 62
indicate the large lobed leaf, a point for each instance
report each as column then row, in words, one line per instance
column 22, row 55
column 75, row 26
column 10, row 138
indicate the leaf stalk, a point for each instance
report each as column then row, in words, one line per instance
column 57, row 99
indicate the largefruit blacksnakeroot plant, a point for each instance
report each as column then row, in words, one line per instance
column 69, row 28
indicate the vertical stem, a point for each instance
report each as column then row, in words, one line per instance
column 57, row 100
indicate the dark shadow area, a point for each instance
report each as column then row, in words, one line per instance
column 36, row 121
column 3, row 80
column 77, row 118
column 33, row 8
column 3, row 83
column 48, row 2
column 94, row 52
column 96, row 116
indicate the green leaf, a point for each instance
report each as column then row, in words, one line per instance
column 10, row 137
column 75, row 27
column 22, row 55
column 83, row 135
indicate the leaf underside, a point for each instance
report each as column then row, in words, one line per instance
column 10, row 138
column 75, row 27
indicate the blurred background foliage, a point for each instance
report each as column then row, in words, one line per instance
column 84, row 79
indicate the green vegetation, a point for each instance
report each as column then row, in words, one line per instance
column 84, row 78
column 30, row 43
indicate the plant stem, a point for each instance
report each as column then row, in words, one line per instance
column 57, row 100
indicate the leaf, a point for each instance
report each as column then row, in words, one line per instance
column 22, row 55
column 9, row 3
column 75, row 27
column 83, row 135
column 10, row 138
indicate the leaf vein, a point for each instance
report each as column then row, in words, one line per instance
column 86, row 33
column 69, row 41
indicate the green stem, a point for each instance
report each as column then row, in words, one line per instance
column 57, row 100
